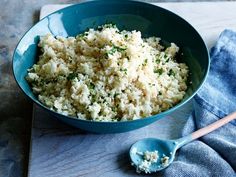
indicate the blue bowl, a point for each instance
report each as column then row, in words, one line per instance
column 151, row 20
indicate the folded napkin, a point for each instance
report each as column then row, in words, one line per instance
column 214, row 154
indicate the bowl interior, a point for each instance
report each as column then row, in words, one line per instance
column 129, row 15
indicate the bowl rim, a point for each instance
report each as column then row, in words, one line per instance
column 161, row 114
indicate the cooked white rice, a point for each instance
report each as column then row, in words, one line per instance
column 149, row 158
column 107, row 75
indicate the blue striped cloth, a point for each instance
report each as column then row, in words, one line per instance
column 213, row 155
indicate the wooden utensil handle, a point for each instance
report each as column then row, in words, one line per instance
column 213, row 126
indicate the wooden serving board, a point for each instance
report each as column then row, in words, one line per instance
column 58, row 150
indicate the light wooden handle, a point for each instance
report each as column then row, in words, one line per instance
column 213, row 126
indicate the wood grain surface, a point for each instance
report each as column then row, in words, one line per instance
column 58, row 150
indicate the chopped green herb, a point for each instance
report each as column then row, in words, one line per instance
column 71, row 76
column 119, row 49
column 126, row 35
column 125, row 70
column 151, row 84
column 171, row 73
column 82, row 35
column 116, row 94
column 99, row 28
column 158, row 60
column 159, row 71
column 113, row 50
column 93, row 98
column 114, row 109
column 91, row 86
column 145, row 62
column 109, row 25
column 106, row 55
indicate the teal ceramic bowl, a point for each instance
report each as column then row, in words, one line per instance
column 130, row 15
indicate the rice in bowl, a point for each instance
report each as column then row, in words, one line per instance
column 106, row 74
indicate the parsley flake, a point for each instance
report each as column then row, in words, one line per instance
column 71, row 76
column 171, row 73
column 158, row 71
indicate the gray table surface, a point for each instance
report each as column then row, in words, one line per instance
column 16, row 16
